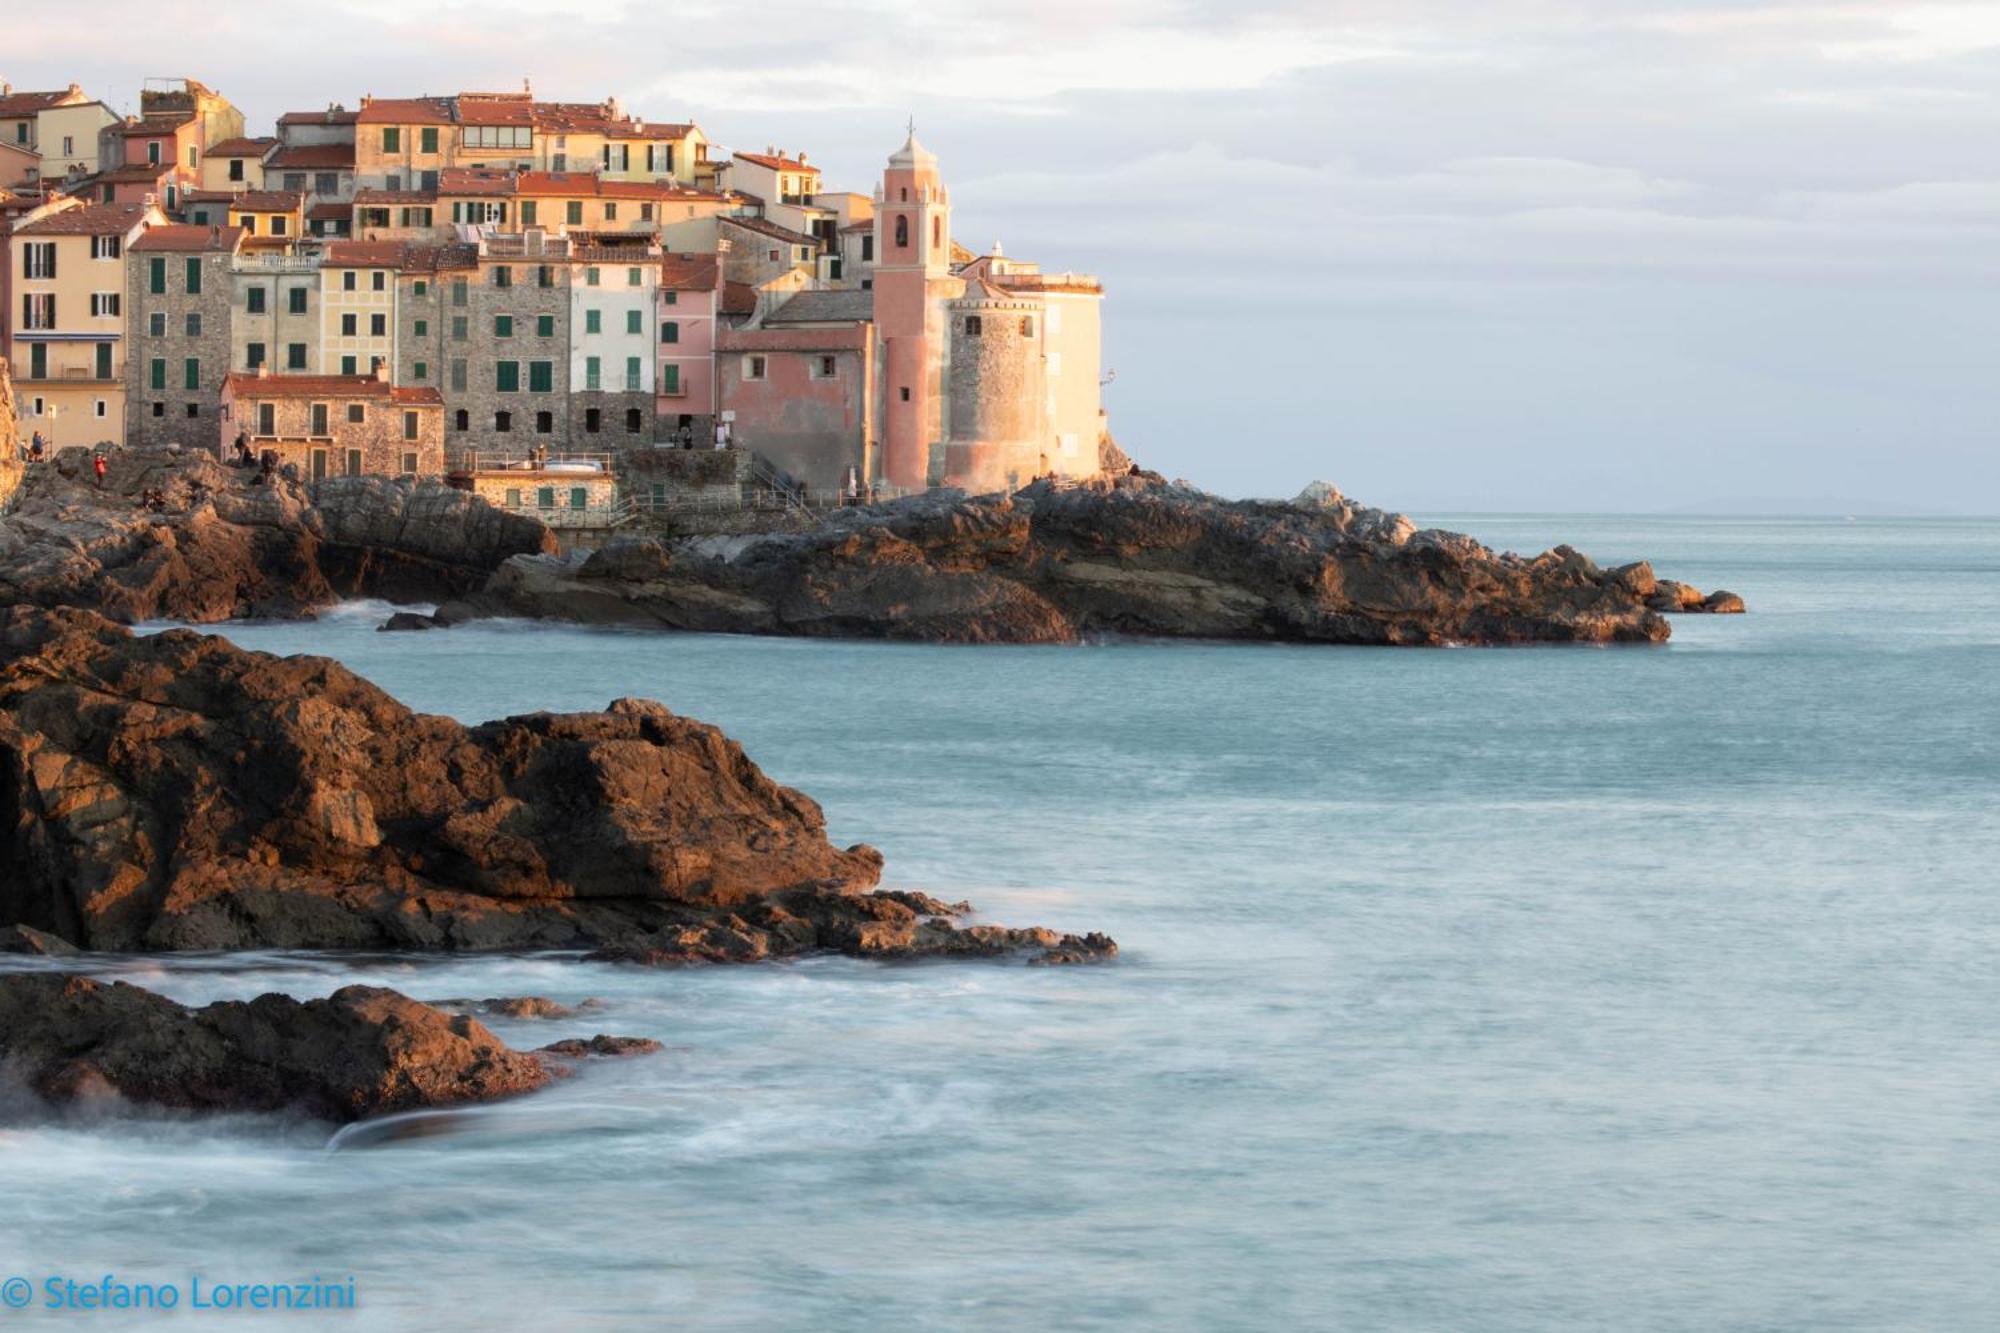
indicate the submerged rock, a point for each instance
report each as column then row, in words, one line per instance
column 516, row 1006
column 1131, row 554
column 26, row 939
column 599, row 1047
column 408, row 620
column 360, row 1052
column 173, row 792
column 182, row 537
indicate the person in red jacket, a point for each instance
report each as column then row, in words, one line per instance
column 98, row 467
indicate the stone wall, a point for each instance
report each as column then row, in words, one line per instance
column 476, row 390
column 1000, row 437
column 377, row 444
column 157, row 325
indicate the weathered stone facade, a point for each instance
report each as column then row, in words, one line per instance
column 501, row 331
column 10, row 433
column 178, row 295
column 998, row 427
column 279, row 325
column 336, row 425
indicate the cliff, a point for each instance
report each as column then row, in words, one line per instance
column 10, row 431
column 1132, row 555
column 175, row 792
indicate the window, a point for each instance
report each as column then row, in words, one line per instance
column 545, row 423
column 593, row 420
column 159, row 409
column 545, row 275
column 295, row 181
column 503, row 276
column 236, row 168
column 253, row 355
column 670, row 381
column 461, row 420
column 156, row 274
column 427, row 139
column 349, row 325
column 579, row 497
column 153, row 153
column 545, row 497
column 503, row 326
column 868, row 249
column 458, row 376
column 105, row 247
column 593, row 321
column 409, row 431
column 902, row 232
column 634, row 421
column 378, row 281
column 98, row 406
column 937, row 231
column 503, row 421
column 459, row 327
column 906, row 393
column 326, row 182
column 105, row 304
column 421, row 328
column 319, row 419
column 507, row 376
column 673, row 298
column 267, row 418
column 633, row 377
column 103, row 358
column 249, row 223
column 193, row 324
column 392, row 139
column 348, row 281
column 541, row 377
column 513, row 497
column 498, row 136
column 634, row 277
column 611, row 212
column 156, row 324
column 645, row 212
column 421, row 287
column 420, row 370
column 295, row 356
column 357, row 414
column 278, row 225
column 593, row 372
column 458, row 291
column 347, row 365
column 38, row 311
column 670, row 332
column 353, row 462
column 973, row 326
column 825, row 367
column 545, row 326
column 1027, row 326
column 253, row 300
column 156, row 373
column 410, row 461
column 295, row 301
column 193, row 410
column 754, row 367
column 573, row 213
column 529, row 213
column 378, row 326
column 191, row 370
column 39, row 260
column 590, row 276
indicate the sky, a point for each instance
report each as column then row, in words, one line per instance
column 1610, row 255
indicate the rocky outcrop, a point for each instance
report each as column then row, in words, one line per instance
column 174, row 536
column 11, row 466
column 1055, row 563
column 362, row 1051
column 172, row 792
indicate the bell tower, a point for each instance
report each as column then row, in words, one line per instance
column 912, row 268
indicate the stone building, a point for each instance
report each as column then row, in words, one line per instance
column 507, row 344
column 614, row 291
column 179, row 295
column 335, row 425
column 276, row 312
column 997, row 431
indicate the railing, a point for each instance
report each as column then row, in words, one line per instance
column 525, row 460
column 613, row 515
column 769, row 478
column 275, row 264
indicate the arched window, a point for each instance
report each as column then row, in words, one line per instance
column 461, row 420
column 902, row 231
column 937, row 231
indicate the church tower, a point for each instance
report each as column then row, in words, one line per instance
column 912, row 275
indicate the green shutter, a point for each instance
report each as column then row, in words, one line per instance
column 503, row 326
column 670, row 379
column 392, row 139
column 158, row 373
column 635, row 321
column 194, row 277
column 593, row 321
column 193, row 371
column 545, row 326
column 156, row 274
column 670, row 332
column 507, row 376
column 541, row 376
column 427, row 139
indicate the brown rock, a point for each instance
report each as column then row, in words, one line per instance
column 599, row 1046
column 26, row 939
column 516, row 1006
column 362, row 1051
column 1722, row 603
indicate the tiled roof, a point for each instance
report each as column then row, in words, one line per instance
column 689, row 273
column 435, row 258
column 338, row 115
column 241, row 147
column 15, row 105
column 405, row 111
column 269, row 201
column 188, row 239
column 738, row 298
column 765, row 227
column 330, row 210
column 846, row 337
column 366, row 254
column 245, row 384
column 91, row 220
column 313, row 157
column 382, row 197
column 207, row 196
column 824, row 308
column 136, row 171
column 152, row 126
column 776, row 163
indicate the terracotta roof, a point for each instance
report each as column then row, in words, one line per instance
column 313, row 157
column 16, row 105
column 339, row 115
column 241, row 147
column 245, row 384
column 207, row 196
column 405, row 111
column 380, row 197
column 846, row 337
column 688, row 273
column 152, row 126
column 91, row 220
column 269, row 201
column 738, row 298
column 778, row 163
column 189, row 238
column 136, row 171
column 765, row 227
column 366, row 254
column 830, row 307
column 327, row 209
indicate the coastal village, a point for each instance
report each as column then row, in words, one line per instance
column 577, row 312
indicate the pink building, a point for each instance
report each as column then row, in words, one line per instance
column 912, row 281
column 689, row 303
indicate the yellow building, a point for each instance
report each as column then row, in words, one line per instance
column 358, row 306
column 69, row 342
column 235, row 165
column 272, row 214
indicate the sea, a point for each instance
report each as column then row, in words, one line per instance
column 1545, row 988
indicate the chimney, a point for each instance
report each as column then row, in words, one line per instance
column 381, row 372
column 770, row 150
column 263, row 370
column 76, row 90
column 802, row 159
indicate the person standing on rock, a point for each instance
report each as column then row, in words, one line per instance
column 35, row 449
column 97, row 466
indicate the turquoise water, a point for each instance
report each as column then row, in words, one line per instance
column 1526, row 989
